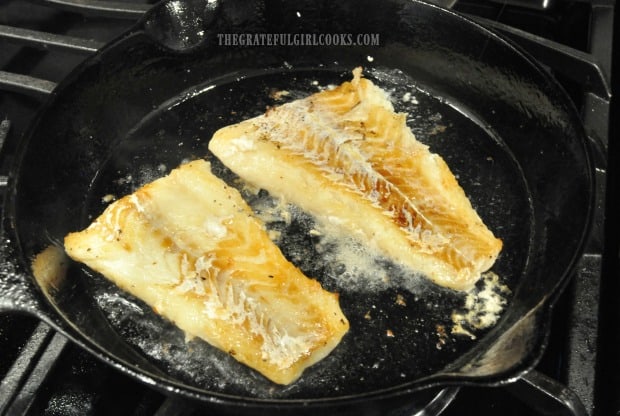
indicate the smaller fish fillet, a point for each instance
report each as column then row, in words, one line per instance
column 189, row 246
column 346, row 157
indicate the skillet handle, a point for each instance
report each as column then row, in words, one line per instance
column 544, row 393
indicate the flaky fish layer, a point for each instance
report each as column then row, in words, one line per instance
column 345, row 156
column 190, row 247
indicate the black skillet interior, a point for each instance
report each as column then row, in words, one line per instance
column 152, row 99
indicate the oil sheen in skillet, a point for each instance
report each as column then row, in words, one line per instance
column 400, row 327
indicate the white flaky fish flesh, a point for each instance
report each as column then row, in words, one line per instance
column 189, row 246
column 345, row 156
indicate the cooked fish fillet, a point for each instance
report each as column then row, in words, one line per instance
column 189, row 246
column 346, row 157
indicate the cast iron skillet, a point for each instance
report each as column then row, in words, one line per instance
column 152, row 99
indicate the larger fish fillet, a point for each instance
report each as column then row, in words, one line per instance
column 346, row 157
column 189, row 246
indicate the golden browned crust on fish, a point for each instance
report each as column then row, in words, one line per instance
column 190, row 247
column 346, row 157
